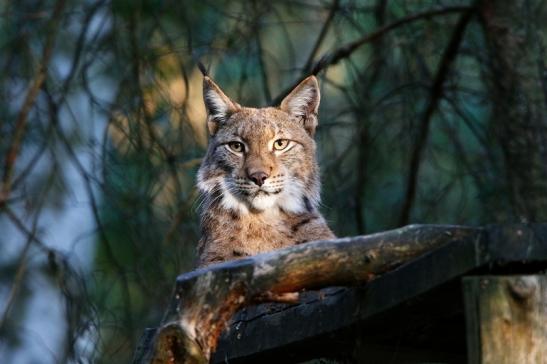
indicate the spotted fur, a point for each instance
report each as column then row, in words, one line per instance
column 257, row 198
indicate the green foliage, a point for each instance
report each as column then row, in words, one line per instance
column 123, row 91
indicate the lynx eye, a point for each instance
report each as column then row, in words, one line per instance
column 236, row 147
column 281, row 144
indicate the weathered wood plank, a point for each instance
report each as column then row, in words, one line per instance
column 506, row 319
column 526, row 243
column 205, row 300
column 338, row 309
column 500, row 249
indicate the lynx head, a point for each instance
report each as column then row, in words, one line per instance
column 261, row 158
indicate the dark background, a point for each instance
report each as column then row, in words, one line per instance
column 431, row 112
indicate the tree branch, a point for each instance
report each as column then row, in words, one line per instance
column 321, row 37
column 32, row 93
column 435, row 95
column 331, row 58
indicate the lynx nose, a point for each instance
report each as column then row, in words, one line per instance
column 258, row 177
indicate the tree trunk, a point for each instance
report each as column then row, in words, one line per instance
column 518, row 118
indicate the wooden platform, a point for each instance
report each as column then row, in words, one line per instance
column 414, row 314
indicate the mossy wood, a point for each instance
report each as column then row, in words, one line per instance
column 205, row 300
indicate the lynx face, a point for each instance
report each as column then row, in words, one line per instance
column 262, row 159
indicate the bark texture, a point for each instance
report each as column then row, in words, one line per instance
column 506, row 319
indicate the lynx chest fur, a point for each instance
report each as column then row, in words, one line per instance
column 259, row 179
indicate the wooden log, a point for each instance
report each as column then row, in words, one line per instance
column 204, row 300
column 506, row 319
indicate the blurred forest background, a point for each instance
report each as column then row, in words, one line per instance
column 432, row 112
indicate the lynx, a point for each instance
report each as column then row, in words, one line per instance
column 259, row 179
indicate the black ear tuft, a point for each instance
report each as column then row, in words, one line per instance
column 202, row 68
column 219, row 107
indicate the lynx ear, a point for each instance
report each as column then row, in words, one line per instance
column 219, row 106
column 303, row 103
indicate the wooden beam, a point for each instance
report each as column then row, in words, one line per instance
column 205, row 300
column 334, row 310
column 506, row 319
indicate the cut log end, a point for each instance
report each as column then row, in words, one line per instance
column 173, row 345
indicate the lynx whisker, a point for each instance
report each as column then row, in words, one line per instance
column 216, row 192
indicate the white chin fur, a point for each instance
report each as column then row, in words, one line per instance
column 263, row 202
column 290, row 200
